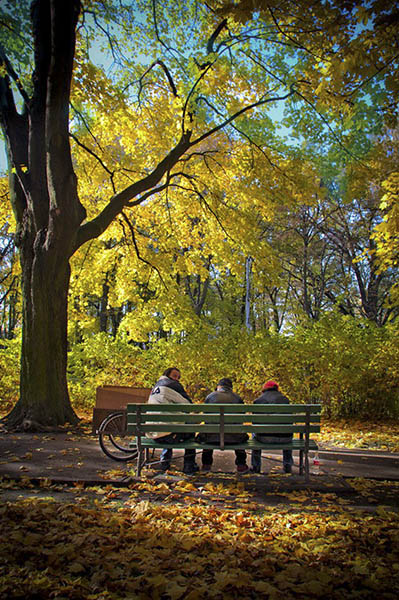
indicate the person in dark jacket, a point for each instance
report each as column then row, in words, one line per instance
column 272, row 395
column 224, row 395
column 169, row 390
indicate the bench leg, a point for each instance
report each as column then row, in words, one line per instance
column 300, row 462
column 140, row 461
column 306, row 467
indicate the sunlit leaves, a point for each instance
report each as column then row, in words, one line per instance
column 356, row 434
column 387, row 232
column 150, row 550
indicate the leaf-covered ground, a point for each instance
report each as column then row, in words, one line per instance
column 180, row 539
column 53, row 550
column 192, row 539
column 359, row 434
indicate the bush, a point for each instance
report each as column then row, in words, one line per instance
column 9, row 372
column 350, row 366
column 100, row 360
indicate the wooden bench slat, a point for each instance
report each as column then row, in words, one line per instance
column 251, row 444
column 228, row 419
column 232, row 408
column 204, row 428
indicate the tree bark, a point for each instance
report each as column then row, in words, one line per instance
column 44, row 399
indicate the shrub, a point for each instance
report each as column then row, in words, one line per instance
column 9, row 372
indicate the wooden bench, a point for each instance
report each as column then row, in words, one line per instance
column 270, row 419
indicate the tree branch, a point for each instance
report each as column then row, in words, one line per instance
column 99, row 224
column 81, row 116
column 240, row 112
column 212, row 39
column 131, row 228
column 94, row 155
column 167, row 73
column 13, row 75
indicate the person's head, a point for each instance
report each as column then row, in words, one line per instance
column 270, row 385
column 225, row 382
column 172, row 373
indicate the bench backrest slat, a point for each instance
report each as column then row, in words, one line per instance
column 204, row 428
column 228, row 408
column 228, row 419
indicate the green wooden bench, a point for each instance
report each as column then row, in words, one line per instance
column 299, row 419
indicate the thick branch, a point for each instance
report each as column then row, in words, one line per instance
column 167, row 73
column 38, row 192
column 4, row 60
column 15, row 130
column 214, row 36
column 100, row 223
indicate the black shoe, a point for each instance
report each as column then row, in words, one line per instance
column 255, row 470
column 191, row 470
column 287, row 469
column 206, row 468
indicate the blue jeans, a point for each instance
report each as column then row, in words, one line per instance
column 167, row 453
column 256, row 458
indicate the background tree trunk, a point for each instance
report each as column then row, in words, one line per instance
column 248, row 276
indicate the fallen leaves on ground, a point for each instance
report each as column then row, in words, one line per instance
column 170, row 552
column 359, row 434
column 224, row 490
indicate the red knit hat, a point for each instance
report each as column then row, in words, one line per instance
column 269, row 384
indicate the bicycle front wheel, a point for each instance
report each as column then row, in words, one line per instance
column 114, row 440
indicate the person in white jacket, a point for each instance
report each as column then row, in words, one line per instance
column 169, row 390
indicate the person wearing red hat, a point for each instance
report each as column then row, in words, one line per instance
column 271, row 395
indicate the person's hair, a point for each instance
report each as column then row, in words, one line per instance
column 226, row 382
column 168, row 371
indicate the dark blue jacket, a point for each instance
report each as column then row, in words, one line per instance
column 223, row 396
column 272, row 396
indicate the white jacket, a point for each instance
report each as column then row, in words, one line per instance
column 161, row 393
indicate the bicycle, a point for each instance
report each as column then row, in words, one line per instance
column 114, row 439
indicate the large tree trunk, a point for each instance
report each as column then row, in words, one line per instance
column 44, row 399
column 48, row 212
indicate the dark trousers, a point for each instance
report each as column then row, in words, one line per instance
column 256, row 457
column 207, row 457
column 167, row 453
